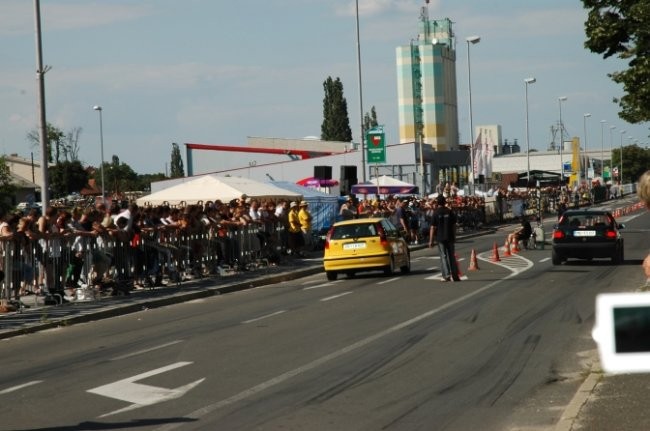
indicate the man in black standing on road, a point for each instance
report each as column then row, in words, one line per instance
column 444, row 225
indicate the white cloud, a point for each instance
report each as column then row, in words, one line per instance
column 17, row 16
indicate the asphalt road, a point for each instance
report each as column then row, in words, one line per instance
column 505, row 349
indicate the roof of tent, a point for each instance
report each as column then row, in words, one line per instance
column 212, row 187
column 384, row 185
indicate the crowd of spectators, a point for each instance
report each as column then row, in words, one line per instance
column 65, row 247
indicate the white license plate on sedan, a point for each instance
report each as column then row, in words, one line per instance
column 584, row 233
column 354, row 246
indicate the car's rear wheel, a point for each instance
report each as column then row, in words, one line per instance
column 406, row 268
column 331, row 275
column 617, row 257
column 390, row 269
column 555, row 258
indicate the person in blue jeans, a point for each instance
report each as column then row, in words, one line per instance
column 444, row 225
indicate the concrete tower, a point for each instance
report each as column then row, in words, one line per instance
column 426, row 86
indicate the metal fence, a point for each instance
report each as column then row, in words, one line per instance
column 83, row 265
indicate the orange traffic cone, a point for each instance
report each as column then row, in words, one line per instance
column 515, row 246
column 506, row 251
column 473, row 262
column 495, row 253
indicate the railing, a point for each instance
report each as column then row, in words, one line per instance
column 83, row 265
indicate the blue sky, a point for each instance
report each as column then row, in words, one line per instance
column 217, row 71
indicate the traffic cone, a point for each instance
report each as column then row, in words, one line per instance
column 473, row 262
column 506, row 251
column 495, row 253
column 515, row 246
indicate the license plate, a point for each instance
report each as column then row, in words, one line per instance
column 584, row 233
column 354, row 246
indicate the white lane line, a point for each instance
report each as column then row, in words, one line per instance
column 247, row 393
column 24, row 385
column 335, row 296
column 545, row 259
column 266, row 316
column 150, row 349
column 390, row 280
column 317, row 286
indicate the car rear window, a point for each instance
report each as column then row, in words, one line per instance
column 587, row 220
column 354, row 231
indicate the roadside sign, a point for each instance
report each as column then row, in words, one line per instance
column 376, row 146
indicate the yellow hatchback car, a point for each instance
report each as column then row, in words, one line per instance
column 366, row 244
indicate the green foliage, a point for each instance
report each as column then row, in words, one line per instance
column 65, row 145
column 370, row 120
column 144, row 181
column 622, row 28
column 7, row 189
column 67, row 177
column 336, row 123
column 635, row 162
column 177, row 170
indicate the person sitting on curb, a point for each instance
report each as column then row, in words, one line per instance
column 522, row 233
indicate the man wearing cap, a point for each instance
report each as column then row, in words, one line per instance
column 444, row 225
column 295, row 231
column 305, row 223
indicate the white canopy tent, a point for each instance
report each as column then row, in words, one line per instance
column 212, row 187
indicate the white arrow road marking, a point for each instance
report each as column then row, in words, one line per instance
column 143, row 395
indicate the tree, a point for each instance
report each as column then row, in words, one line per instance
column 66, row 145
column 635, row 162
column 621, row 28
column 370, row 119
column 119, row 177
column 177, row 170
column 7, row 188
column 336, row 123
column 67, row 177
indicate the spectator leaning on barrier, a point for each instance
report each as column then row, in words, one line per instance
column 305, row 217
column 295, row 232
column 643, row 190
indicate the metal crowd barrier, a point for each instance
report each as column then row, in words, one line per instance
column 88, row 265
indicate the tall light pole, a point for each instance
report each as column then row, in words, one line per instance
column 471, row 40
column 611, row 140
column 620, row 168
column 586, row 158
column 602, row 149
column 560, row 100
column 42, row 123
column 527, row 81
column 101, row 147
column 362, row 137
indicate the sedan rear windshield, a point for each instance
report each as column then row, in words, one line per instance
column 586, row 220
column 355, row 231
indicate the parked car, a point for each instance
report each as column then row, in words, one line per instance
column 365, row 244
column 587, row 234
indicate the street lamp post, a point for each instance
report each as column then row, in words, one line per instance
column 101, row 147
column 560, row 100
column 611, row 155
column 527, row 81
column 602, row 149
column 362, row 138
column 620, row 168
column 586, row 157
column 471, row 40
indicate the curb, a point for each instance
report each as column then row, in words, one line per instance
column 585, row 390
column 114, row 310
